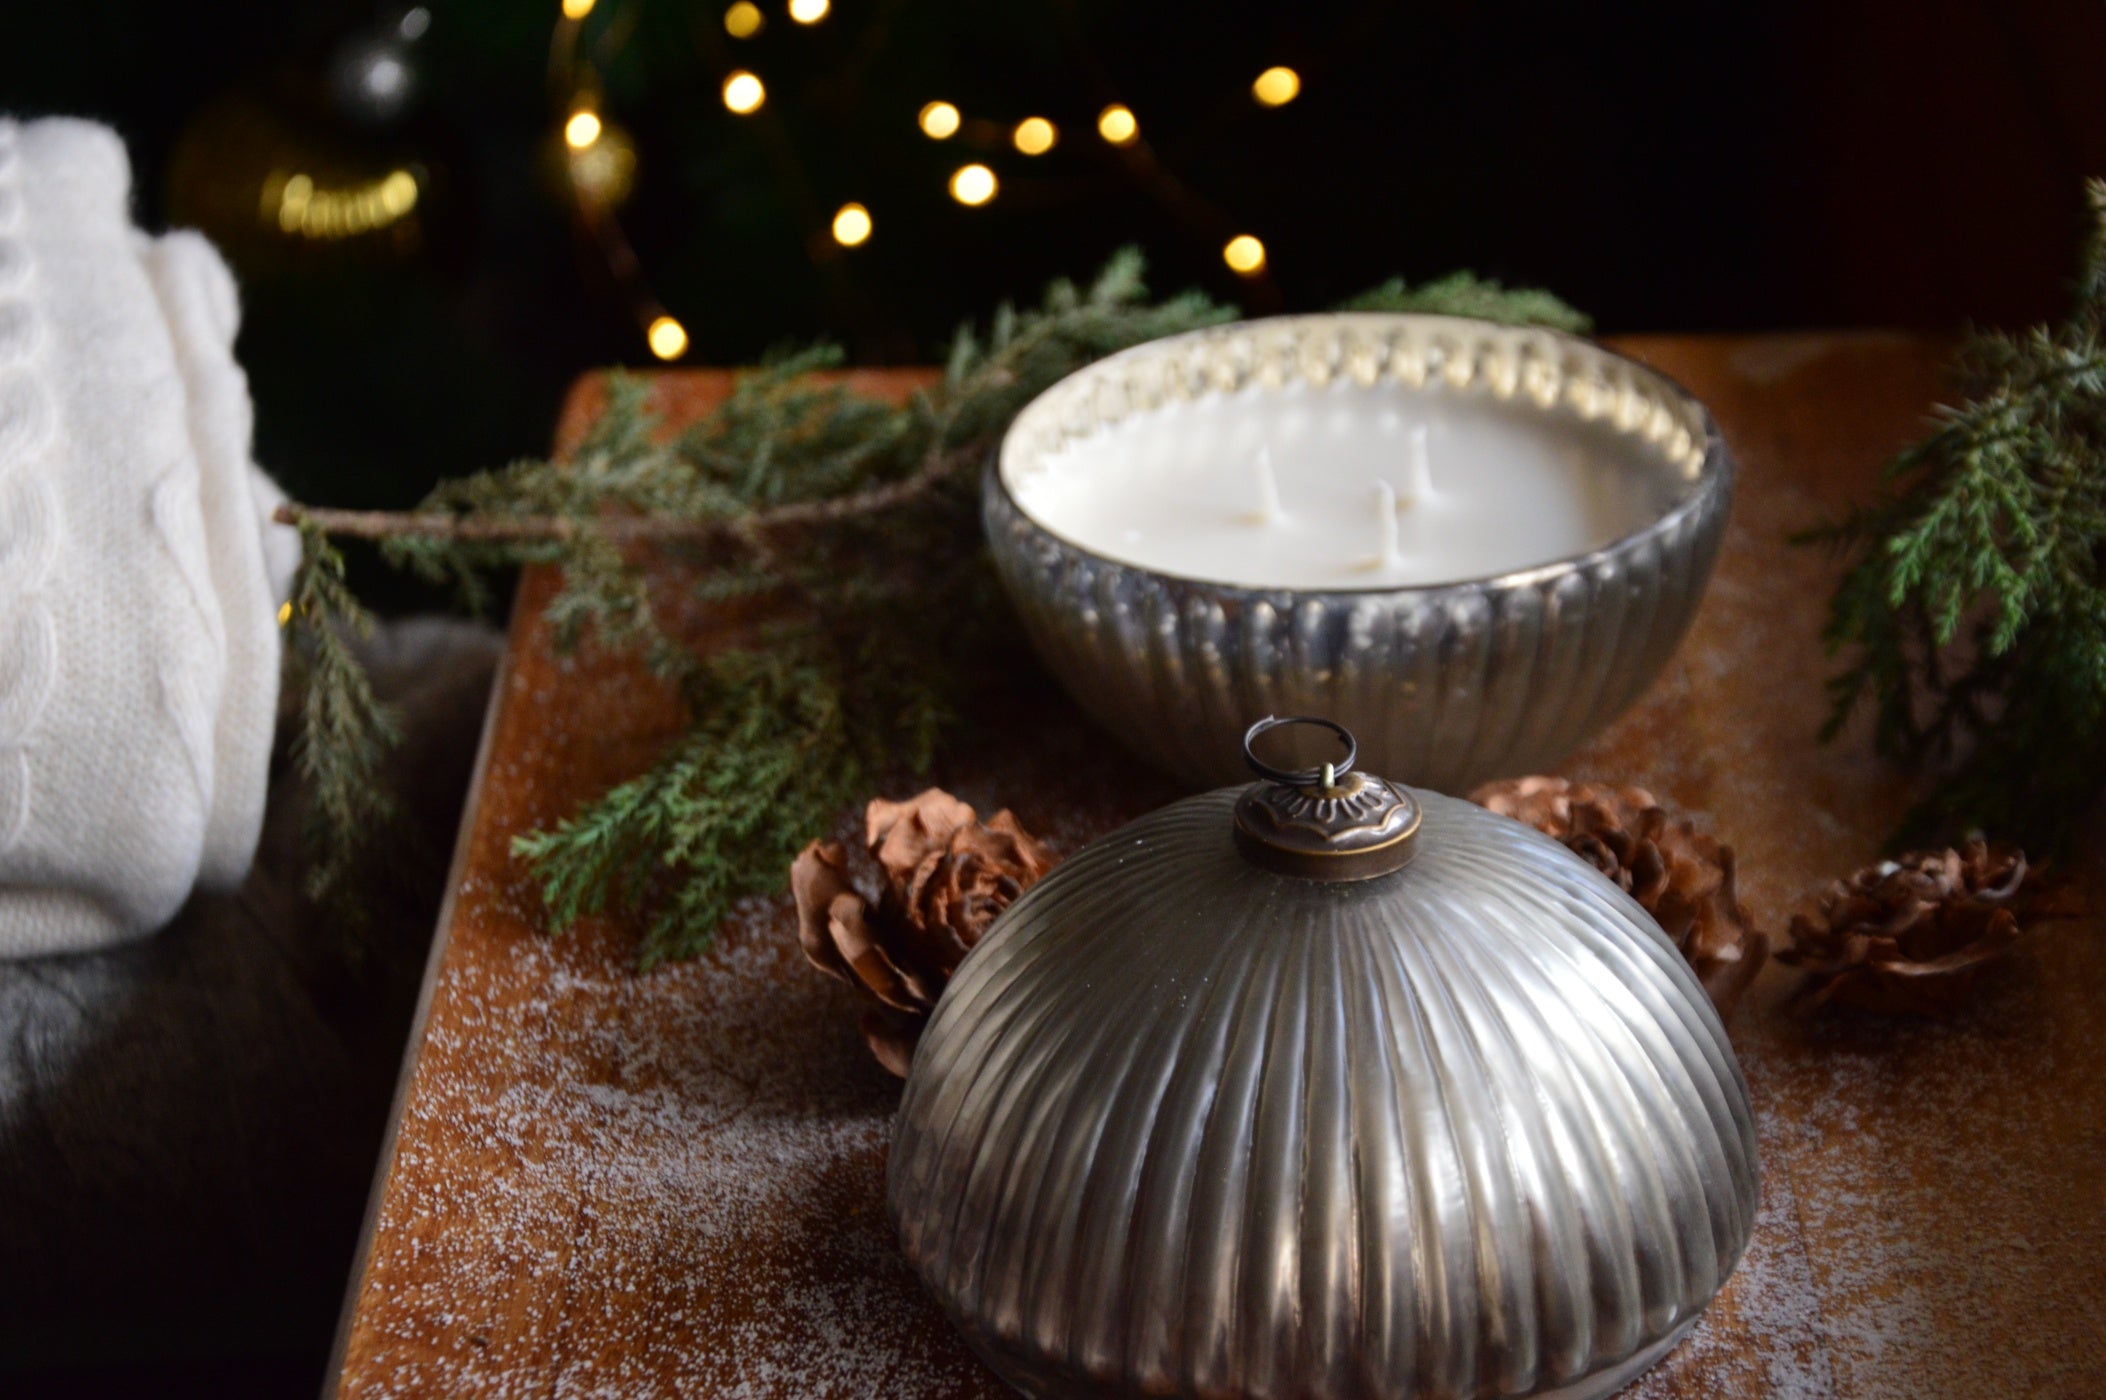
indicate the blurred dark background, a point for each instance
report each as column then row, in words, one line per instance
column 426, row 262
column 1665, row 167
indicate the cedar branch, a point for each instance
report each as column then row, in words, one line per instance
column 561, row 529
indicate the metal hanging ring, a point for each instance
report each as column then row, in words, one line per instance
column 1307, row 777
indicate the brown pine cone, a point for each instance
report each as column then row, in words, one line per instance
column 944, row 877
column 1682, row 877
column 1911, row 935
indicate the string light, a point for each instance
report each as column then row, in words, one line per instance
column 601, row 160
column 939, row 121
column 744, row 20
column 973, row 184
column 603, row 173
column 851, row 225
column 668, row 338
column 1244, row 254
column 581, row 130
column 1035, row 136
column 300, row 207
column 1276, row 87
column 284, row 613
column 743, row 92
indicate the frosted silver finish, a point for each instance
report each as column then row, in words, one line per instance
column 1182, row 1126
column 1444, row 685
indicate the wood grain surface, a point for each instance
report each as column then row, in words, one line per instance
column 610, row 1183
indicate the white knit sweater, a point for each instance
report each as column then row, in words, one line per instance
column 139, row 576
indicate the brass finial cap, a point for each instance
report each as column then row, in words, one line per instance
column 1326, row 823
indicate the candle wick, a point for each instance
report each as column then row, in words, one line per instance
column 1418, row 467
column 1268, row 510
column 1390, row 554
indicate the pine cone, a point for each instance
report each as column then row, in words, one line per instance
column 1911, row 935
column 944, row 877
column 1682, row 877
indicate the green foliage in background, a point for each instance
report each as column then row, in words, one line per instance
column 849, row 526
column 1466, row 294
column 1974, row 608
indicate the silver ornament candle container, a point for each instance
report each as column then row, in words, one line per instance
column 1446, row 684
column 1323, row 1089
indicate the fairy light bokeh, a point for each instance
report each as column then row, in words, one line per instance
column 602, row 162
column 744, row 20
column 667, row 337
column 744, row 92
column 1034, row 136
column 939, row 121
column 852, row 225
column 1276, row 87
column 973, row 184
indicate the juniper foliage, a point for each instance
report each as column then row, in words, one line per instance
column 345, row 732
column 850, row 524
column 1466, row 294
column 1974, row 606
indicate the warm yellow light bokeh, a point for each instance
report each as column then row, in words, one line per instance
column 581, row 130
column 1276, row 87
column 939, row 121
column 1035, row 136
column 973, row 184
column 298, row 206
column 744, row 20
column 851, row 225
column 808, row 11
column 1117, row 125
column 576, row 9
column 743, row 92
column 1244, row 254
column 603, row 174
column 668, row 338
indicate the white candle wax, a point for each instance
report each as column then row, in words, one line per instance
column 1347, row 486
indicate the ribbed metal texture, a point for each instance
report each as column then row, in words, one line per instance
column 1445, row 686
column 1182, row 1126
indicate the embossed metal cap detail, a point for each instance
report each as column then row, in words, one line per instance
column 1326, row 823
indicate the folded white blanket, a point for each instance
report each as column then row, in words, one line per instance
column 139, row 576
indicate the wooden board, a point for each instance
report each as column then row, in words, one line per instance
column 605, row 1183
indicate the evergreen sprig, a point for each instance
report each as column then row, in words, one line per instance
column 1975, row 603
column 849, row 521
column 345, row 732
column 1466, row 294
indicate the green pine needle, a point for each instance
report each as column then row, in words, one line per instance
column 1467, row 294
column 345, row 732
column 1974, row 607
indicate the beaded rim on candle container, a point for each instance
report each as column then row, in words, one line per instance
column 1560, row 374
column 1445, row 684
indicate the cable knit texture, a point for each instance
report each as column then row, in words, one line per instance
column 138, row 576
